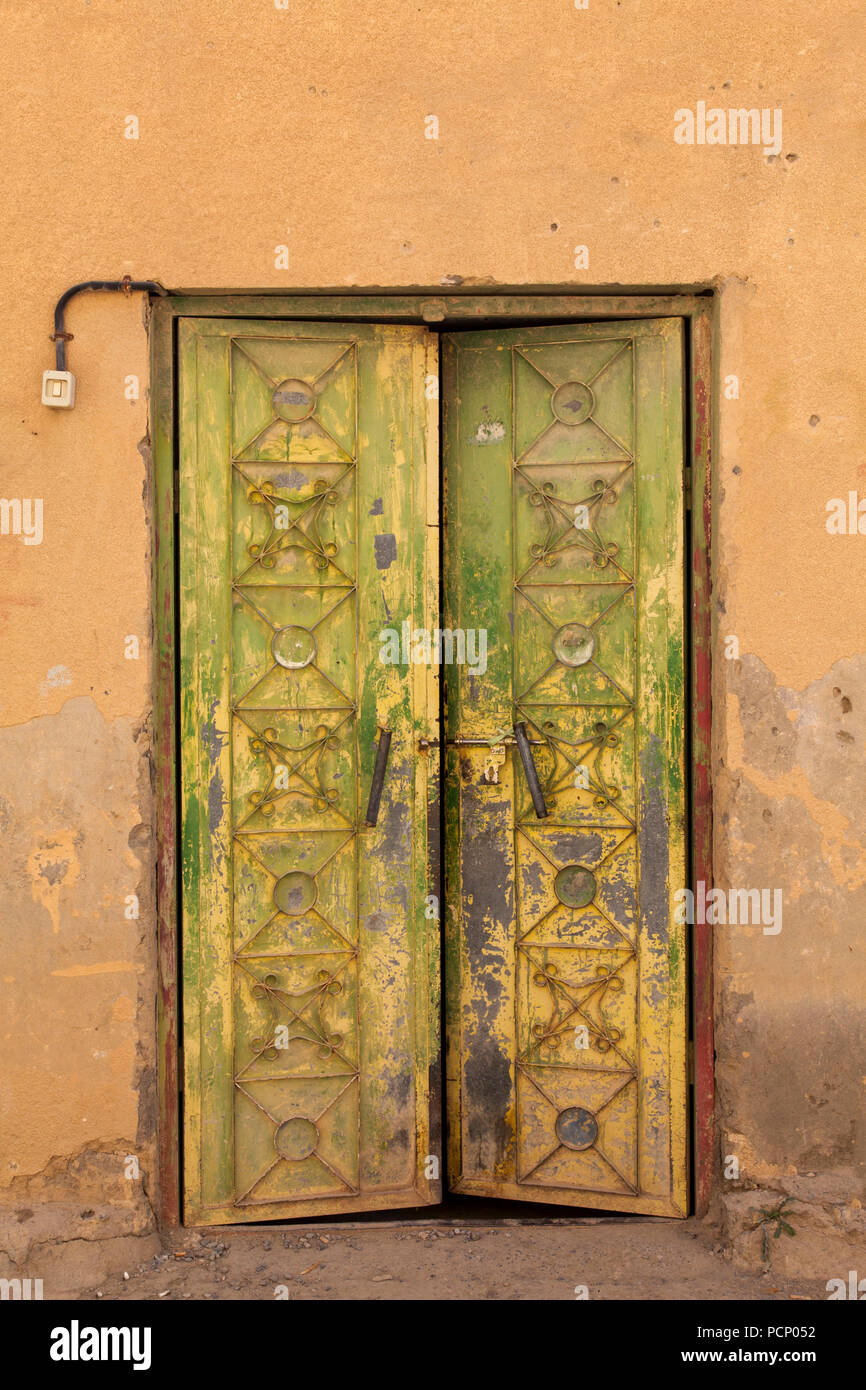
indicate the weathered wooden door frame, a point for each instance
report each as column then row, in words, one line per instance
column 449, row 312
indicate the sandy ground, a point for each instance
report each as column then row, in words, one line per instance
column 614, row 1259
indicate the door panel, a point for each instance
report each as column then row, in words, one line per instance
column 308, row 521
column 565, row 970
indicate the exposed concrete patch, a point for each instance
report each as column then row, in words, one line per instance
column 791, row 1020
column 829, row 1231
column 79, row 975
column 93, row 1196
column 53, row 867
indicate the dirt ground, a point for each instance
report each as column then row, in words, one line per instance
column 613, row 1258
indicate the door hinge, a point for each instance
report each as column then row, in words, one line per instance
column 687, row 489
column 176, row 491
column 180, row 1071
column 691, row 1062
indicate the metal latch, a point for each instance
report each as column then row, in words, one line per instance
column 493, row 761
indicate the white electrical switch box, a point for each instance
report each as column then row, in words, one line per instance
column 58, row 389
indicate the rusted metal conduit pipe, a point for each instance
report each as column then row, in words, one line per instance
column 125, row 286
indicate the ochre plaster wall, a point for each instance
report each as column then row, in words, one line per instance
column 306, row 127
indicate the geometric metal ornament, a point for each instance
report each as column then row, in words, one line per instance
column 566, row 541
column 307, row 1081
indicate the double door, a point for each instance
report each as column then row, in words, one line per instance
column 344, row 738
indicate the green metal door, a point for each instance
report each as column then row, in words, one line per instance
column 565, row 971
column 308, row 522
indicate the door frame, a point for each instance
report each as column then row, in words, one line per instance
column 446, row 312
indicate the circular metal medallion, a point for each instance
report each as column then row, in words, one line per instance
column 575, row 886
column 574, row 644
column 572, row 403
column 295, row 893
column 296, row 1139
column 293, row 400
column 576, row 1128
column 293, row 647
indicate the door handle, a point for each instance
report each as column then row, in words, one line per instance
column 530, row 770
column 382, row 750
